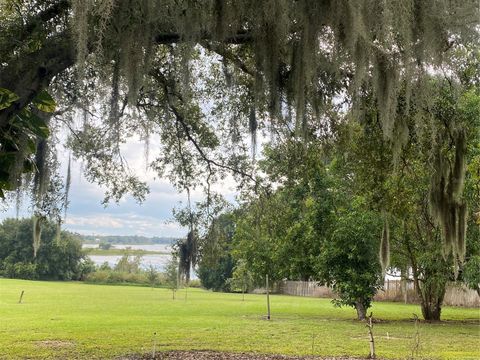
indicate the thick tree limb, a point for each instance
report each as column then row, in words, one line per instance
column 241, row 37
column 33, row 72
column 33, row 24
column 228, row 56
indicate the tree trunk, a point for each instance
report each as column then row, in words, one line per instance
column 432, row 295
column 361, row 311
column 431, row 310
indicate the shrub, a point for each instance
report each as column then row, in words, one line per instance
column 128, row 263
column 195, row 283
column 105, row 266
column 104, row 246
column 116, row 277
column 20, row 270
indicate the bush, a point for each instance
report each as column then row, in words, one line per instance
column 104, row 246
column 105, row 266
column 195, row 283
column 85, row 267
column 116, row 277
column 99, row 276
column 27, row 271
column 110, row 276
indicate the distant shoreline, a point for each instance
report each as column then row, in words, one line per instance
column 115, row 252
column 127, row 239
column 125, row 244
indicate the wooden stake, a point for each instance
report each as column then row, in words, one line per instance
column 154, row 345
column 416, row 339
column 21, row 297
column 370, row 334
column 268, row 298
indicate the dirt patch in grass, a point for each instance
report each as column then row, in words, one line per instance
column 54, row 344
column 214, row 355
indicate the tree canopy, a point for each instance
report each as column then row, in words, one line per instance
column 203, row 78
column 60, row 256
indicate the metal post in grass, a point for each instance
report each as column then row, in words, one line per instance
column 21, row 297
column 268, row 297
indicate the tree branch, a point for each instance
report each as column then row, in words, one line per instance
column 241, row 37
column 228, row 56
column 180, row 119
column 22, row 33
column 33, row 72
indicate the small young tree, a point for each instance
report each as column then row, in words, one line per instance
column 152, row 275
column 171, row 275
column 349, row 259
column 242, row 278
column 128, row 263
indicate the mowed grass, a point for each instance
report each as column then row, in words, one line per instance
column 77, row 320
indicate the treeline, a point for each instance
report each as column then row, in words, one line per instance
column 344, row 210
column 126, row 239
column 59, row 256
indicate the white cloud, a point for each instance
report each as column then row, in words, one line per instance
column 123, row 224
column 94, row 221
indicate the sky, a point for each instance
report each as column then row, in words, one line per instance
column 86, row 214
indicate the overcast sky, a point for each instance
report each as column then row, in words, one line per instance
column 86, row 214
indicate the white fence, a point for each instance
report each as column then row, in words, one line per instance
column 394, row 290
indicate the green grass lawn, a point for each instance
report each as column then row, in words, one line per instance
column 77, row 320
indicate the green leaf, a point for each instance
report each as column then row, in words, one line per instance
column 28, row 166
column 44, row 102
column 7, row 98
column 31, row 145
column 34, row 123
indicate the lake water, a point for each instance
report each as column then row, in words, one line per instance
column 154, row 247
column 159, row 261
